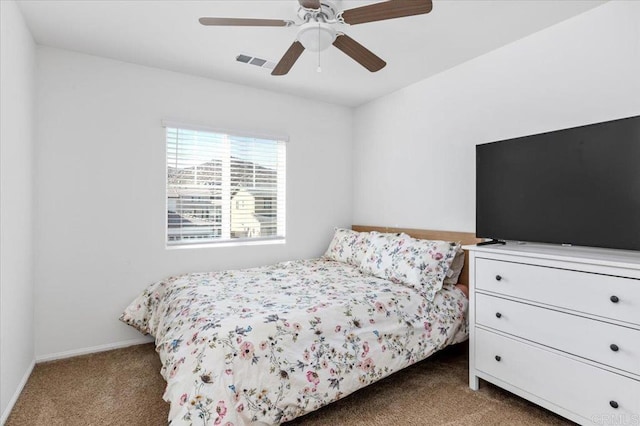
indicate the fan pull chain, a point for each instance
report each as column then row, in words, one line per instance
column 319, row 69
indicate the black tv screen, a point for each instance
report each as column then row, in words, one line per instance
column 579, row 186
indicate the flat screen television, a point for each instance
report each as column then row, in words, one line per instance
column 578, row 186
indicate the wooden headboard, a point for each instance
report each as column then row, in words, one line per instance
column 425, row 234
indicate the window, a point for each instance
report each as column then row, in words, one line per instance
column 223, row 187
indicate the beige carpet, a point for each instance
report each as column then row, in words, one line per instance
column 124, row 387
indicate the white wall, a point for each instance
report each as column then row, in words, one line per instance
column 101, row 186
column 17, row 77
column 414, row 150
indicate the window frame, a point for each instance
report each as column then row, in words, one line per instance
column 281, row 189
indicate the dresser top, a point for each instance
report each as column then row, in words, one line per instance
column 595, row 256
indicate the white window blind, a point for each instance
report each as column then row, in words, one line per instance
column 222, row 187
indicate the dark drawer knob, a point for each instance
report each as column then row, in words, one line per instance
column 498, row 358
column 498, row 278
column 498, row 315
column 614, row 299
column 614, row 347
column 613, row 404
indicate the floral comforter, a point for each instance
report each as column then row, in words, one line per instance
column 268, row 344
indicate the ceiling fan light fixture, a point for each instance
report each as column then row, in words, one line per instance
column 316, row 36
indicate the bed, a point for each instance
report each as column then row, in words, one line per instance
column 266, row 345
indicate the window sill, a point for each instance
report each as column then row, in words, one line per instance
column 274, row 241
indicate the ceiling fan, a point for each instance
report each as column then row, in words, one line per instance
column 318, row 33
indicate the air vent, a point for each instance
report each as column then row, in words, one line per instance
column 243, row 58
column 254, row 60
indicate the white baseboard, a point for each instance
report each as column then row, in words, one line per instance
column 93, row 349
column 14, row 398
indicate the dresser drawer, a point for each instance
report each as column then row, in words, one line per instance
column 583, row 337
column 575, row 386
column 602, row 295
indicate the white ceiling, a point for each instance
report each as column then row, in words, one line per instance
column 166, row 34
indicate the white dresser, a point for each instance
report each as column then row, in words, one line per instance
column 559, row 326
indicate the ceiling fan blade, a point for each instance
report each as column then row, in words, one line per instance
column 245, row 22
column 310, row 4
column 359, row 53
column 386, row 10
column 289, row 58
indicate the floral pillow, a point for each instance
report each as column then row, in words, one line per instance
column 380, row 256
column 421, row 264
column 348, row 246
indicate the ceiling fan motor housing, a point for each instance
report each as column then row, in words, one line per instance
column 327, row 12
